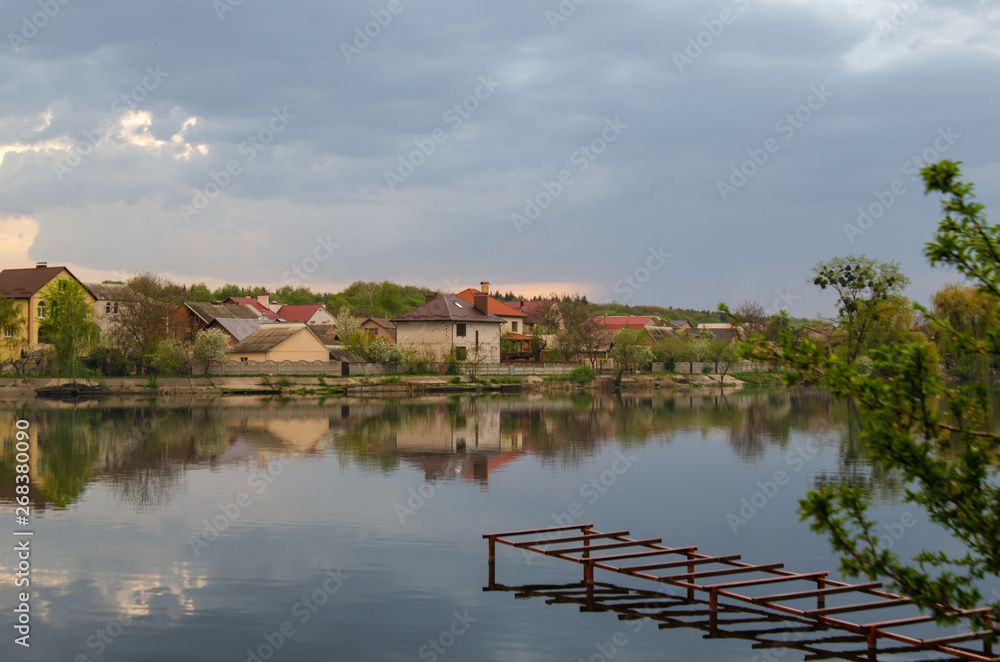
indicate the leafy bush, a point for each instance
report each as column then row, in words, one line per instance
column 582, row 374
column 706, row 369
column 172, row 357
column 108, row 362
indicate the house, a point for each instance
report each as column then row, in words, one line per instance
column 513, row 319
column 312, row 314
column 448, row 326
column 680, row 325
column 112, row 299
column 657, row 333
column 261, row 304
column 305, row 313
column 536, row 313
column 723, row 331
column 380, row 327
column 279, row 341
column 27, row 288
column 191, row 317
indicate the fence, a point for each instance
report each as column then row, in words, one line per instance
column 336, row 368
column 276, row 368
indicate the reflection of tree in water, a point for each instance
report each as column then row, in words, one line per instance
column 67, row 450
column 856, row 468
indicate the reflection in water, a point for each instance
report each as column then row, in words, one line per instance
column 143, row 452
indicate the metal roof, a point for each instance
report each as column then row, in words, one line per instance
column 238, row 328
column 209, row 312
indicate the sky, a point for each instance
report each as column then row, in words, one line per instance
column 647, row 152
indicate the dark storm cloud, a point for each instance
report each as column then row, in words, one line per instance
column 414, row 143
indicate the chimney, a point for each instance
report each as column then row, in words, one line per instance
column 484, row 286
column 430, row 296
column 479, row 299
column 41, row 265
column 263, row 299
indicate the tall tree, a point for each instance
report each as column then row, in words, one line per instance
column 938, row 437
column 141, row 321
column 863, row 285
column 749, row 319
column 629, row 351
column 971, row 313
column 68, row 324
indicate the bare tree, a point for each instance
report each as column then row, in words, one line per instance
column 749, row 319
column 141, row 321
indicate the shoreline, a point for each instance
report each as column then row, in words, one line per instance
column 18, row 389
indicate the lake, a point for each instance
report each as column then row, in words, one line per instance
column 352, row 529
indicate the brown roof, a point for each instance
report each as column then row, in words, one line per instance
column 446, row 308
column 383, row 322
column 267, row 338
column 493, row 306
column 209, row 311
column 660, row 332
column 23, row 283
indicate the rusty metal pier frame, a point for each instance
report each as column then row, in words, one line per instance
column 687, row 569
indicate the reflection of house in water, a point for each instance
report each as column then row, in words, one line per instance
column 466, row 441
column 264, row 435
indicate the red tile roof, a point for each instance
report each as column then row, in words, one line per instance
column 23, row 283
column 298, row 313
column 616, row 322
column 494, row 307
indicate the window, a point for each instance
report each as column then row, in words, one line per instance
column 8, row 332
column 372, row 332
column 244, row 359
column 460, row 330
column 42, row 310
column 107, row 308
column 116, row 308
column 513, row 327
column 461, row 353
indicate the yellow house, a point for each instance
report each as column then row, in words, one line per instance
column 26, row 287
column 280, row 342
